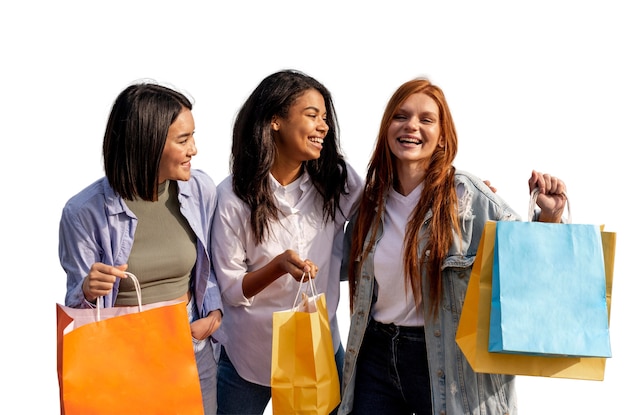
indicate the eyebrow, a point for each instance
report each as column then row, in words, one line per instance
column 182, row 135
column 312, row 107
column 421, row 114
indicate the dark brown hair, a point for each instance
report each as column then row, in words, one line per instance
column 254, row 151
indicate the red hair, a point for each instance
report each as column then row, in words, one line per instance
column 438, row 196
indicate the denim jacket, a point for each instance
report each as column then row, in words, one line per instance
column 455, row 387
column 97, row 226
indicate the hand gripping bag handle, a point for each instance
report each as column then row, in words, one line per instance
column 533, row 200
column 137, row 289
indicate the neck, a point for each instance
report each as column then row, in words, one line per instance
column 285, row 174
column 408, row 178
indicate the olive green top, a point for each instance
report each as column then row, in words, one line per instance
column 164, row 250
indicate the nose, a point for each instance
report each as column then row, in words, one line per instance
column 193, row 150
column 413, row 124
column 323, row 126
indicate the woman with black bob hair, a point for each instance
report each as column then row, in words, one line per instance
column 150, row 215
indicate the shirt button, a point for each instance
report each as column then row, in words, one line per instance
column 437, row 333
column 440, row 373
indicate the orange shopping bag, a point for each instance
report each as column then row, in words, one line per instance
column 304, row 378
column 472, row 335
column 127, row 360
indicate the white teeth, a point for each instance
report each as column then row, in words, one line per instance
column 406, row 140
column 317, row 140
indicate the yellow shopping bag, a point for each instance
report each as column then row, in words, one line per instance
column 304, row 377
column 473, row 332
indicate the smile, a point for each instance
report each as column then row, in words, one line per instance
column 410, row 140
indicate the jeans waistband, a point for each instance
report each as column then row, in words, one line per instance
column 392, row 330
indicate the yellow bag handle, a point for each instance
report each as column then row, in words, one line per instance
column 311, row 285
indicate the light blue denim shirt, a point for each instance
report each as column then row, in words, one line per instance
column 455, row 387
column 97, row 226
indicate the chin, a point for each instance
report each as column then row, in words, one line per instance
column 315, row 156
column 183, row 177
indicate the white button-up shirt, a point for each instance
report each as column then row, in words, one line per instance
column 247, row 322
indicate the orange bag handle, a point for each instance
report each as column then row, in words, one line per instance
column 137, row 289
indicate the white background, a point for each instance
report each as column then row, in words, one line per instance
column 532, row 85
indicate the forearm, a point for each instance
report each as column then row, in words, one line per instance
column 254, row 282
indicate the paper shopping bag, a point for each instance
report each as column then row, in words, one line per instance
column 127, row 360
column 304, row 378
column 549, row 290
column 473, row 331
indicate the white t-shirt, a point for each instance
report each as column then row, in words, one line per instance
column 395, row 303
column 247, row 322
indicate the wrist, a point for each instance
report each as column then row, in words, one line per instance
column 88, row 297
column 549, row 217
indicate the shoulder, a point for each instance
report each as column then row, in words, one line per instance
column 201, row 177
column 199, row 184
column 474, row 195
column 470, row 188
column 468, row 182
column 352, row 173
column 94, row 194
column 355, row 181
column 226, row 195
column 469, row 179
column 229, row 205
column 92, row 204
column 226, row 184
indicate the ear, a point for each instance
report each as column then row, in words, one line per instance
column 275, row 123
column 442, row 142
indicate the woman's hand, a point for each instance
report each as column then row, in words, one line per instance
column 488, row 183
column 100, row 280
column 204, row 327
column 552, row 197
column 286, row 263
column 291, row 263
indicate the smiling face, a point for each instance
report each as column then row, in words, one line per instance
column 299, row 137
column 179, row 148
column 415, row 130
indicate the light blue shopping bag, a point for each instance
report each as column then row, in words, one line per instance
column 549, row 290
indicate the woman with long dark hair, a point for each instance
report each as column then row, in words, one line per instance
column 280, row 215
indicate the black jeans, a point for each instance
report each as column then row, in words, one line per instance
column 392, row 372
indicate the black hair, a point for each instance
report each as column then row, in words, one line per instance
column 254, row 151
column 135, row 137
